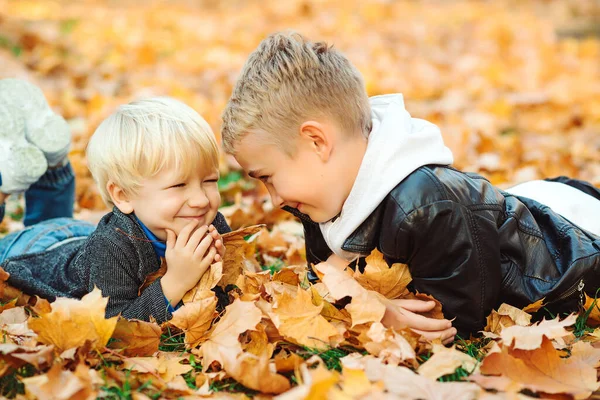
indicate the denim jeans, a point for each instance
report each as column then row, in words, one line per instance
column 48, row 215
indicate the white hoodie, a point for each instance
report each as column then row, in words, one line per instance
column 398, row 145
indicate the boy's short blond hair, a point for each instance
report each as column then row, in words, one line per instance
column 288, row 80
column 142, row 138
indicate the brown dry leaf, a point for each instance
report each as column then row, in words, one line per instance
column 288, row 275
column 390, row 281
column 543, row 369
column 136, row 338
column 59, row 384
column 300, row 321
column 286, row 361
column 329, row 311
column 253, row 282
column 150, row 278
column 71, row 322
column 506, row 316
column 390, row 346
column 195, row 318
column 165, row 365
column 445, row 361
column 594, row 316
column 6, row 306
column 530, row 337
column 208, row 281
column 534, row 307
column 254, row 371
column 10, row 294
column 15, row 356
column 239, row 255
column 436, row 312
column 223, row 344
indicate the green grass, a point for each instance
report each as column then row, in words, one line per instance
column 14, row 48
column 170, row 341
column 581, row 327
column 11, row 385
column 331, row 357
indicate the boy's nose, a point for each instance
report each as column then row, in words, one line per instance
column 276, row 199
column 198, row 199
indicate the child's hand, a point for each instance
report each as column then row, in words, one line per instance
column 402, row 313
column 188, row 256
column 218, row 243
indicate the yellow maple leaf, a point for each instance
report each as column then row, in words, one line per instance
column 196, row 317
column 136, row 338
column 300, row 321
column 72, row 322
column 223, row 344
column 390, row 281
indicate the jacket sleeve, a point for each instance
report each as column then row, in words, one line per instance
column 453, row 254
column 116, row 275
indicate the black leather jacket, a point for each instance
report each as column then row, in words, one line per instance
column 473, row 246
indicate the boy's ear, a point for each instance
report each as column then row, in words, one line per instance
column 119, row 197
column 320, row 137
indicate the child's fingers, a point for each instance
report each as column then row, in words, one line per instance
column 414, row 305
column 423, row 323
column 171, row 238
column 196, row 237
column 208, row 259
column 446, row 335
column 184, row 234
column 203, row 246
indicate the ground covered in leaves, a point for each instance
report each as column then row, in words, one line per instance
column 515, row 88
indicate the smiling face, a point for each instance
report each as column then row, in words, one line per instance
column 170, row 201
column 316, row 179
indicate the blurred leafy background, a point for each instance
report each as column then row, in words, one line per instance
column 514, row 85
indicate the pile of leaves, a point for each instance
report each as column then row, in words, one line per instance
column 264, row 330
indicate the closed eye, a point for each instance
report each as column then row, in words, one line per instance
column 177, row 185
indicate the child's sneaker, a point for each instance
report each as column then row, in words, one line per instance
column 44, row 129
column 21, row 164
column 52, row 136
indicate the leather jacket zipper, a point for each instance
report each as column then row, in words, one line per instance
column 578, row 287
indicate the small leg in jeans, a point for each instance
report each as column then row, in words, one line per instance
column 52, row 196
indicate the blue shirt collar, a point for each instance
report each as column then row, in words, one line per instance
column 160, row 247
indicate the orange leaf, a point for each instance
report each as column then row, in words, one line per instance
column 544, row 370
column 71, row 322
column 300, row 321
column 136, row 338
column 390, row 281
column 195, row 318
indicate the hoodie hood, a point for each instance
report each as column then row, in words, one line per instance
column 398, row 145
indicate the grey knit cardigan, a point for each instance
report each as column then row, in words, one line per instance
column 117, row 257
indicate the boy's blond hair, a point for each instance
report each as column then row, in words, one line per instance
column 142, row 138
column 288, row 80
